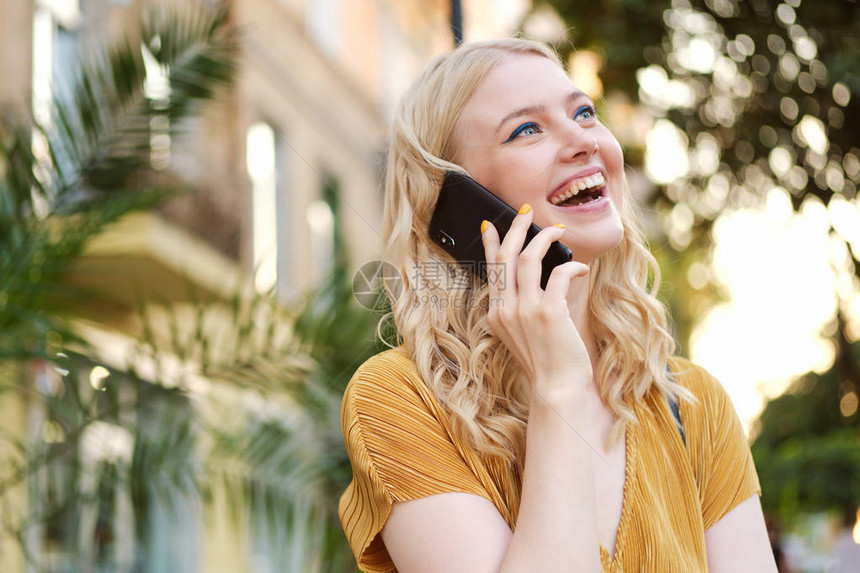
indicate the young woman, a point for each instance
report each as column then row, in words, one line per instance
column 523, row 429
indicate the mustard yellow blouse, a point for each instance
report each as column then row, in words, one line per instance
column 401, row 447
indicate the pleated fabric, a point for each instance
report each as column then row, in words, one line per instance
column 401, row 447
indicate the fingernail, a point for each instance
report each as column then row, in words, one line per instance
column 525, row 209
column 559, row 225
column 484, row 224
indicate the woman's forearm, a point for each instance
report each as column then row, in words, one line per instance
column 556, row 527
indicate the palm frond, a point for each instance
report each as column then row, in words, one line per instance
column 269, row 427
column 63, row 182
column 267, row 433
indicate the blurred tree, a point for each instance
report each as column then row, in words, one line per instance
column 274, row 439
column 234, row 403
column 808, row 445
column 755, row 95
column 742, row 80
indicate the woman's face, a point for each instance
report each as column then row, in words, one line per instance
column 530, row 136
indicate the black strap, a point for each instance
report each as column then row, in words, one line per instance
column 676, row 413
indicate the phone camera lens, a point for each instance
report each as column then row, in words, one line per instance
column 444, row 240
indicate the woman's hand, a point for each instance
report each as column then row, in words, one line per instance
column 535, row 325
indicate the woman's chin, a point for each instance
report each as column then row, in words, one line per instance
column 586, row 249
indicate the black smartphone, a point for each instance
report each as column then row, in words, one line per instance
column 456, row 225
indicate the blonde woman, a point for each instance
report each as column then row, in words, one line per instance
column 523, row 429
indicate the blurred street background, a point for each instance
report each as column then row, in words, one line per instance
column 187, row 189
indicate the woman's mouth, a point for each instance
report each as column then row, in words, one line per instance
column 581, row 191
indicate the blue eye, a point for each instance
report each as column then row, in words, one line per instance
column 523, row 128
column 585, row 112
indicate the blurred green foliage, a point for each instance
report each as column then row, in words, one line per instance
column 807, row 450
column 63, row 181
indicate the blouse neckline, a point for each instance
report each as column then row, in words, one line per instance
column 609, row 562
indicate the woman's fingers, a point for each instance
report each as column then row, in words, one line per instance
column 490, row 238
column 530, row 263
column 509, row 251
column 562, row 275
column 515, row 271
column 533, row 324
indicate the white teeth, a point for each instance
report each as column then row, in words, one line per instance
column 595, row 180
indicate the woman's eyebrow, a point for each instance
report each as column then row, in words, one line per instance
column 574, row 95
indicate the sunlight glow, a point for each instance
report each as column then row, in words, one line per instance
column 856, row 532
column 845, row 218
column 775, row 266
column 156, row 85
column 584, row 68
column 698, row 56
column 655, row 88
column 813, row 133
column 665, row 152
column 781, row 161
column 105, row 441
column 98, row 377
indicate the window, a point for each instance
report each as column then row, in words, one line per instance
column 328, row 246
column 261, row 155
column 321, row 224
column 271, row 209
column 56, row 47
column 156, row 87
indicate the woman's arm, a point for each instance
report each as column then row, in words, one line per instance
column 556, row 527
column 739, row 541
column 557, row 522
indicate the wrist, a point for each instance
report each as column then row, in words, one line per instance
column 565, row 395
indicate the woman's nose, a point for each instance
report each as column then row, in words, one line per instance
column 577, row 143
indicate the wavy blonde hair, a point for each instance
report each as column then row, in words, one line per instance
column 444, row 326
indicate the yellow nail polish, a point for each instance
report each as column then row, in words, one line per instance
column 525, row 209
column 559, row 225
column 484, row 224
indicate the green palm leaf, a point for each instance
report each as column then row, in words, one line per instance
column 95, row 153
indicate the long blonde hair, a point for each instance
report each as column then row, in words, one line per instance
column 443, row 322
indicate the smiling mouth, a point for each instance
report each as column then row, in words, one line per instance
column 581, row 192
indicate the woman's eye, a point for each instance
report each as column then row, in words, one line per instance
column 585, row 112
column 526, row 128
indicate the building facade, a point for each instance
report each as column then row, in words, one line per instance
column 284, row 161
